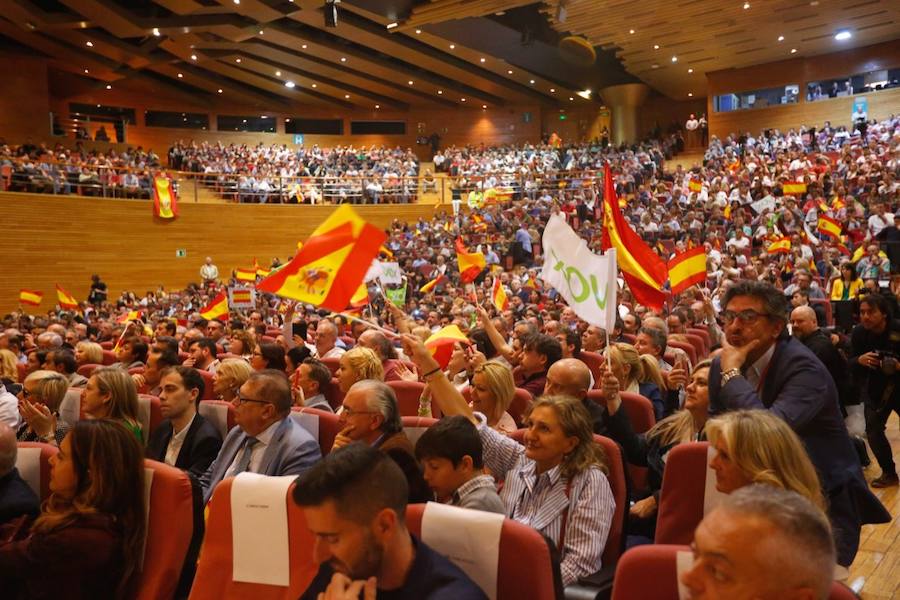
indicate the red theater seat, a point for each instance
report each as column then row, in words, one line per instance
column 334, row 395
column 219, row 413
column 33, row 463
column 87, row 370
column 149, row 413
column 109, row 357
column 323, row 425
column 593, row 362
column 208, row 384
column 642, row 418
column 688, row 349
column 333, row 363
column 408, row 393
column 414, row 427
column 681, row 496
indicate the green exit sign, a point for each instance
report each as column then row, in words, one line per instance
column 563, row 117
column 180, row 253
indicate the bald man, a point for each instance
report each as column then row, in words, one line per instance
column 16, row 497
column 805, row 327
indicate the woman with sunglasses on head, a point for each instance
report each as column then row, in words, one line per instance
column 87, row 541
column 39, row 401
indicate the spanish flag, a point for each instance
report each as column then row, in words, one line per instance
column 498, row 295
column 242, row 296
column 441, row 343
column 216, row 309
column 842, row 249
column 130, row 316
column 687, row 269
column 432, row 284
column 695, row 186
column 245, row 274
column 384, row 250
column 780, row 246
column 530, row 284
column 471, row 264
column 727, row 212
column 643, row 270
column 360, row 297
column 65, row 298
column 165, row 204
column 329, row 268
column 30, row 297
column 829, row 226
column 838, row 203
column 263, row 272
column 793, row 188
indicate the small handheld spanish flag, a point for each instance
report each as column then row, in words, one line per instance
column 498, row 295
column 432, row 284
column 780, row 246
column 65, row 299
column 216, row 309
column 695, row 186
column 793, row 188
column 687, row 269
column 441, row 343
column 829, row 226
column 245, row 274
column 30, row 297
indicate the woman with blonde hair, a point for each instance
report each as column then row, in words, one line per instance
column 755, row 446
column 492, row 391
column 637, row 374
column 39, row 401
column 88, row 353
column 111, row 394
column 9, row 370
column 357, row 364
column 555, row 483
column 231, row 374
column 88, row 540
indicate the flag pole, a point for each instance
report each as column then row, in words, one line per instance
column 386, row 332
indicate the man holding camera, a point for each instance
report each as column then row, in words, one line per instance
column 875, row 344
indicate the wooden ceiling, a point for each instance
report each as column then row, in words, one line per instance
column 247, row 50
column 710, row 35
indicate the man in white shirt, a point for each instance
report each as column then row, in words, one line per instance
column 326, row 339
column 879, row 219
column 209, row 272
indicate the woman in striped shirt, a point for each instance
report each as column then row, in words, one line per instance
column 555, row 483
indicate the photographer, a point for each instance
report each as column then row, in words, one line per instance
column 875, row 344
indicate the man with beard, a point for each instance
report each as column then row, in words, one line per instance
column 354, row 502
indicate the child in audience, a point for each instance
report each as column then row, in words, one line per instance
column 451, row 457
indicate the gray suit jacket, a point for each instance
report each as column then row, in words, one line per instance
column 291, row 452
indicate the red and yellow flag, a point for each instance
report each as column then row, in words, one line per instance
column 829, row 226
column 441, row 343
column 687, row 269
column 643, row 270
column 245, row 274
column 432, row 284
column 329, row 268
column 242, row 296
column 695, row 186
column 843, row 249
column 384, row 250
column 793, row 188
column 780, row 246
column 65, row 299
column 727, row 212
column 471, row 264
column 30, row 297
column 498, row 295
column 216, row 309
column 130, row 316
column 165, row 203
column 360, row 297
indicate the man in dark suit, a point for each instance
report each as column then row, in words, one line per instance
column 762, row 368
column 16, row 498
column 184, row 439
column 266, row 440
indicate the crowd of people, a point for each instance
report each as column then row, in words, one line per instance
column 769, row 386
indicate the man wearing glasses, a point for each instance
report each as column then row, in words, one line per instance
column 266, row 440
column 761, row 367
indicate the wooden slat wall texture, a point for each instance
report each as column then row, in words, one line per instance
column 64, row 239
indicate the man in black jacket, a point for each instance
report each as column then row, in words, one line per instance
column 185, row 439
column 804, row 327
column 16, row 498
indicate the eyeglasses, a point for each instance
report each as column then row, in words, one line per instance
column 747, row 317
column 346, row 410
column 241, row 399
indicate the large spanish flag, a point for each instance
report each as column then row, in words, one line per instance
column 471, row 264
column 165, row 204
column 360, row 296
column 441, row 343
column 829, row 226
column 498, row 295
column 780, row 246
column 687, row 269
column 643, row 270
column 216, row 309
column 793, row 188
column 329, row 268
column 65, row 298
column 30, row 297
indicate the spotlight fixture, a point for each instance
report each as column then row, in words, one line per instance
column 277, row 73
column 418, row 31
column 156, row 31
column 193, row 57
column 746, row 5
column 631, row 31
column 290, row 84
column 462, row 99
column 109, row 87
column 690, row 70
column 181, row 76
column 656, row 46
column 531, row 81
column 780, row 38
column 674, row 59
column 793, row 51
column 843, row 35
column 347, row 96
column 89, row 44
column 391, row 25
column 220, row 90
column 452, row 46
column 377, row 106
column 482, row 59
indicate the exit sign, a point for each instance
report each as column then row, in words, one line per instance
column 180, row 253
column 563, row 117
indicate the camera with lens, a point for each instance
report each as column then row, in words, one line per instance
column 888, row 362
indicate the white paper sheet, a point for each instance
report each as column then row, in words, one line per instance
column 259, row 527
column 217, row 415
column 70, row 407
column 683, row 562
column 28, row 462
column 469, row 538
column 711, row 496
column 307, row 421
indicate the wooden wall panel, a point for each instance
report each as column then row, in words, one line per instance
column 24, row 103
column 837, row 110
column 53, row 239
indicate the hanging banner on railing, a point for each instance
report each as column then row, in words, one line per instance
column 165, row 204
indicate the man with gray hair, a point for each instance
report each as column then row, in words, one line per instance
column 49, row 341
column 370, row 415
column 16, row 498
column 762, row 542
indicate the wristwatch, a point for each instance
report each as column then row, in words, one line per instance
column 729, row 375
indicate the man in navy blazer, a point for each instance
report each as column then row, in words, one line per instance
column 266, row 440
column 184, row 439
column 762, row 368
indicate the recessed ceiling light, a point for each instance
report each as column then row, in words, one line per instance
column 220, row 90
column 237, row 60
column 462, row 99
column 482, row 59
column 509, row 71
column 631, row 31
column 260, row 32
column 109, row 87
column 656, row 46
column 690, row 94
column 303, row 46
column 531, row 81
column 690, row 70
column 571, row 99
column 89, row 44
column 377, row 106
column 391, row 25
column 193, row 57
column 586, row 94
column 793, row 51
column 346, row 95
column 156, row 31
column 315, row 85
column 484, row 106
column 245, row 120
column 289, row 84
column 180, row 75
column 843, row 35
column 654, row 66
column 277, row 73
column 410, row 82
column 674, row 59
column 452, row 46
column 263, row 116
column 418, row 31
column 237, row 1
column 440, row 92
column 288, row 120
column 86, row 71
column 746, row 5
column 343, row 59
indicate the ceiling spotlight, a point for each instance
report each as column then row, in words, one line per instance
column 391, row 25
column 484, row 106
column 156, row 31
column 462, row 99
column 843, row 35
column 277, row 73
column 452, row 46
column 303, row 46
column 509, row 72
column 343, row 59
column 109, row 87
column 690, row 70
column 631, row 31
column 656, row 46
column 89, row 44
column 410, row 82
column 193, row 57
column 481, row 59
column 531, row 81
column 237, row 60
column 260, row 32
column 571, row 99
column 237, row 1
column 180, row 76
column 780, row 38
column 552, row 90
column 288, row 120
column 586, row 94
column 674, row 59
column 347, row 96
column 440, row 92
column 793, row 51
column 377, row 106
column 315, row 85
column 86, row 71
column 418, row 31
column 220, row 90
column 263, row 117
column 690, row 94
column 290, row 84
column 654, row 66
column 746, row 5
